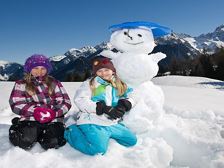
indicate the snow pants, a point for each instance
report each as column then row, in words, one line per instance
column 93, row 139
column 26, row 133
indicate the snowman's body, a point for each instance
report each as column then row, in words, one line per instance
column 136, row 67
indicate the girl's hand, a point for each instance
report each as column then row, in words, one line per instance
column 124, row 105
column 100, row 107
column 44, row 115
column 113, row 113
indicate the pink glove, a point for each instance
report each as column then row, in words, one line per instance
column 44, row 115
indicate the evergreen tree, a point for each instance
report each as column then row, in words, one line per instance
column 219, row 64
column 206, row 64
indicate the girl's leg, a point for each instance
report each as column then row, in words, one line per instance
column 88, row 138
column 123, row 135
column 23, row 133
column 52, row 135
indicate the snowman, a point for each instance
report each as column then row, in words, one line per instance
column 136, row 66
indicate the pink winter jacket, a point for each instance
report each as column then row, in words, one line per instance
column 23, row 104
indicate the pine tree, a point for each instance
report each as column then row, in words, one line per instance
column 206, row 64
column 219, row 64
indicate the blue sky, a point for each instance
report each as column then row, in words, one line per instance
column 52, row 27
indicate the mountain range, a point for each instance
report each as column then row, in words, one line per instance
column 74, row 65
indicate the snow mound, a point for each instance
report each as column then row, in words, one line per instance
column 189, row 135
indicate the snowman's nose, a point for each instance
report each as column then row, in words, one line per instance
column 127, row 34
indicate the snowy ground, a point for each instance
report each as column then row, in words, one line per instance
column 190, row 133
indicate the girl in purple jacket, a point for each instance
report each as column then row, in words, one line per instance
column 41, row 101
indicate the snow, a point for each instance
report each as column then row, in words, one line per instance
column 57, row 58
column 88, row 49
column 189, row 134
column 191, row 41
column 75, row 52
column 4, row 78
column 219, row 44
column 3, row 63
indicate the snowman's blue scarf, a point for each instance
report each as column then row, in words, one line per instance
column 99, row 93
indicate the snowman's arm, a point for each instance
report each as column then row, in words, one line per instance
column 109, row 54
column 156, row 57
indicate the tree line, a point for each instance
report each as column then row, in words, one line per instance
column 204, row 65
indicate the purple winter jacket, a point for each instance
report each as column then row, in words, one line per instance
column 23, row 104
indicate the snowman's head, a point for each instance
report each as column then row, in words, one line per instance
column 136, row 37
column 137, row 40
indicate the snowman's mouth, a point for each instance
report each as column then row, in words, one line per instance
column 134, row 43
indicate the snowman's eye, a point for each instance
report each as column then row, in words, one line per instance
column 139, row 35
column 125, row 33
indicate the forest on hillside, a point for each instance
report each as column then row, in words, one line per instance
column 204, row 65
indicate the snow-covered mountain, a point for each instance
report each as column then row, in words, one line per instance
column 211, row 41
column 10, row 71
column 74, row 65
column 178, row 46
column 183, row 46
column 84, row 51
column 57, row 58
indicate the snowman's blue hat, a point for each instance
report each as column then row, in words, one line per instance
column 157, row 29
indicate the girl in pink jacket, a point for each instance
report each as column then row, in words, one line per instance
column 41, row 101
